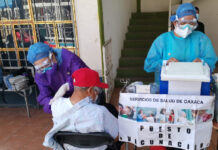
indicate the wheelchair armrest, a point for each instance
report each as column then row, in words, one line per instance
column 84, row 140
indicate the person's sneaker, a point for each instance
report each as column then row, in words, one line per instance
column 215, row 125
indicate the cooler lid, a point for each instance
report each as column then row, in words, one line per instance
column 185, row 71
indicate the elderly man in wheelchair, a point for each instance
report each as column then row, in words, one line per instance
column 79, row 123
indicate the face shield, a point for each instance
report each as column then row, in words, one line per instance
column 44, row 66
column 186, row 23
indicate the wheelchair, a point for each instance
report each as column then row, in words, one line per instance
column 86, row 140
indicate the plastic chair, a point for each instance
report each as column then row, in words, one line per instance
column 85, row 140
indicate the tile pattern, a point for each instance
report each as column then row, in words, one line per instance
column 18, row 132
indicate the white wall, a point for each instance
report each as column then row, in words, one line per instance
column 156, row 5
column 209, row 16
column 116, row 14
column 88, row 33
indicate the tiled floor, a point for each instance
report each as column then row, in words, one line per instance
column 18, row 132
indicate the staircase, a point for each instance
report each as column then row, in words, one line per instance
column 142, row 30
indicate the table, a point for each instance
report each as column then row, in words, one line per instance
column 182, row 121
column 24, row 93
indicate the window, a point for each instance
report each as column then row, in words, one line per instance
column 24, row 22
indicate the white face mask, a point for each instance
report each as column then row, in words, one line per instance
column 184, row 30
column 93, row 100
column 96, row 97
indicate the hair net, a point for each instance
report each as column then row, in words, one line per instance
column 186, row 9
column 38, row 51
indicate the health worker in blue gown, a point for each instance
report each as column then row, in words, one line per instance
column 183, row 44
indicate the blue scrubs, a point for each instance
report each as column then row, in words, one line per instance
column 167, row 45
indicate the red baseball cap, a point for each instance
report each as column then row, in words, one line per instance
column 86, row 77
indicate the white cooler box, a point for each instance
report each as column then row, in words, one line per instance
column 185, row 78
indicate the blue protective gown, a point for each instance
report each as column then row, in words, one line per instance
column 167, row 45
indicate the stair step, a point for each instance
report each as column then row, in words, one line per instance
column 150, row 15
column 132, row 72
column 137, row 43
column 144, row 28
column 145, row 81
column 132, row 61
column 142, row 35
column 138, row 21
column 134, row 52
